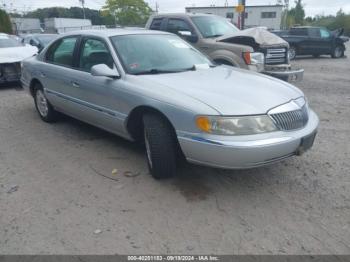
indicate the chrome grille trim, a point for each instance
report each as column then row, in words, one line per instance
column 291, row 120
column 276, row 56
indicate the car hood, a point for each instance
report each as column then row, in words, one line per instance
column 260, row 35
column 228, row 90
column 16, row 54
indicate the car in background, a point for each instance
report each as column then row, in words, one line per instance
column 39, row 40
column 316, row 41
column 154, row 87
column 254, row 49
column 12, row 53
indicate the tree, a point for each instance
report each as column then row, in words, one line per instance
column 297, row 14
column 128, row 12
column 73, row 12
column 5, row 23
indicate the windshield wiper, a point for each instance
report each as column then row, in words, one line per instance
column 155, row 71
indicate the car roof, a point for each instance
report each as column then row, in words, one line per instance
column 305, row 27
column 182, row 15
column 116, row 32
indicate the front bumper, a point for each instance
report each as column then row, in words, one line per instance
column 286, row 73
column 10, row 72
column 245, row 152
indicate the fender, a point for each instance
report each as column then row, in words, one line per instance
column 230, row 57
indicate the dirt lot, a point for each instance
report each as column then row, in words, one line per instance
column 56, row 197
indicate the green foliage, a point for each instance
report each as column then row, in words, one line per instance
column 341, row 20
column 128, row 12
column 73, row 12
column 5, row 23
column 296, row 15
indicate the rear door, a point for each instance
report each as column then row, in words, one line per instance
column 302, row 39
column 56, row 74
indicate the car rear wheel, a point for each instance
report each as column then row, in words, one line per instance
column 43, row 106
column 338, row 52
column 292, row 52
column 161, row 146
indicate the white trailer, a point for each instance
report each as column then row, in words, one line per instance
column 62, row 25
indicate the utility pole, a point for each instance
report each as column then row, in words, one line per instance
column 243, row 15
column 157, row 7
column 241, row 5
column 286, row 3
column 83, row 6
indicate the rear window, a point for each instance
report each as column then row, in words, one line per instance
column 156, row 24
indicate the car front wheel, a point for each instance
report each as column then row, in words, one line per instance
column 338, row 52
column 161, row 146
column 43, row 106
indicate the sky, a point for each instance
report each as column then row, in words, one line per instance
column 312, row 7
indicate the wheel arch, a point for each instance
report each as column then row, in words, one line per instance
column 134, row 121
column 32, row 84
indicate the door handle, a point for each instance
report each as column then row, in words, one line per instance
column 75, row 84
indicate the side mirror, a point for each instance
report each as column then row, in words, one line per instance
column 104, row 70
column 192, row 39
column 33, row 42
column 188, row 36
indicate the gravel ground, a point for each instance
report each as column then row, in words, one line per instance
column 58, row 194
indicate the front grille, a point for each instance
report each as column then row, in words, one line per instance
column 275, row 56
column 291, row 120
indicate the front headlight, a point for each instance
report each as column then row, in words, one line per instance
column 235, row 126
column 254, row 58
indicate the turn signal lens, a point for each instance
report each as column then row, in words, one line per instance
column 203, row 123
column 247, row 58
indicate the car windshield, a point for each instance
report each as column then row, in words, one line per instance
column 155, row 54
column 46, row 39
column 213, row 26
column 8, row 42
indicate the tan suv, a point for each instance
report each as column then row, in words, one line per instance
column 254, row 49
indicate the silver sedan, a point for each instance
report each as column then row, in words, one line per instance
column 155, row 88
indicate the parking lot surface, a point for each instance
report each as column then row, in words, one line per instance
column 69, row 188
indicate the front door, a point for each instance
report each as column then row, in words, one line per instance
column 98, row 95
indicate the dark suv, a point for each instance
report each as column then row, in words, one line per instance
column 316, row 41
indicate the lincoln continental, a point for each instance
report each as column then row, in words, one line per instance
column 155, row 88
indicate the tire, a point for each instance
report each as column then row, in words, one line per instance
column 161, row 146
column 43, row 106
column 292, row 52
column 338, row 52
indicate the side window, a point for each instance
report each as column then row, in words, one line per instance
column 176, row 25
column 314, row 32
column 94, row 52
column 324, row 33
column 268, row 14
column 156, row 24
column 230, row 15
column 62, row 52
column 299, row 32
